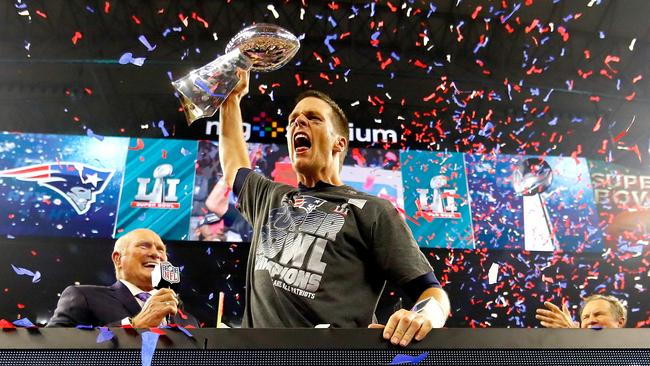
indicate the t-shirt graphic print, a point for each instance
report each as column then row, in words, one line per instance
column 294, row 239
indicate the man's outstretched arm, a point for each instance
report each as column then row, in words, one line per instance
column 406, row 325
column 233, row 151
column 554, row 317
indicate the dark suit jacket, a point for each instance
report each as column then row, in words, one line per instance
column 101, row 306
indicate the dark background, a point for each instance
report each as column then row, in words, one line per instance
column 49, row 84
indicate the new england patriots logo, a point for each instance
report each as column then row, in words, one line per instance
column 77, row 183
column 307, row 203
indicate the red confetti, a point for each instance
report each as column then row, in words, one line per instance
column 532, row 26
column 564, row 33
column 419, row 63
column 476, row 11
column 76, row 37
column 597, row 125
column 139, row 145
column 5, row 324
column 157, row 331
column 183, row 315
column 201, row 20
column 332, row 5
column 609, row 59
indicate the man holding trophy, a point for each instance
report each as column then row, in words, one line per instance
column 321, row 253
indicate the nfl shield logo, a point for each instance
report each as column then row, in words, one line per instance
column 170, row 273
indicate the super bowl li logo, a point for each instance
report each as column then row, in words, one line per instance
column 440, row 203
column 163, row 193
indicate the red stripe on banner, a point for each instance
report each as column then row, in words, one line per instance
column 26, row 170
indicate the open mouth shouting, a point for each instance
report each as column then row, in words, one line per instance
column 301, row 142
column 150, row 265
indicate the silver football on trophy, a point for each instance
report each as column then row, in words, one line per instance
column 532, row 176
column 260, row 47
column 267, row 46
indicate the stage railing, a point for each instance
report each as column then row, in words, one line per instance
column 60, row 346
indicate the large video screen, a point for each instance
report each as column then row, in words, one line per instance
column 83, row 186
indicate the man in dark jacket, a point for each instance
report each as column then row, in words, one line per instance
column 131, row 300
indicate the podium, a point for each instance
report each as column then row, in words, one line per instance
column 498, row 346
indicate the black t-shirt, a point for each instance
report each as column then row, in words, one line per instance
column 321, row 255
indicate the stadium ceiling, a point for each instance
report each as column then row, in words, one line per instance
column 535, row 77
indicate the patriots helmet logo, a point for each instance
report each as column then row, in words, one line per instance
column 77, row 183
column 307, row 203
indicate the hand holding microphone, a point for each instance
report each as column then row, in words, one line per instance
column 164, row 304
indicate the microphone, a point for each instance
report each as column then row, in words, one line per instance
column 165, row 275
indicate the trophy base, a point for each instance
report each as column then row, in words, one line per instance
column 203, row 90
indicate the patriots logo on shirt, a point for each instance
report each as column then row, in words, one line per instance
column 307, row 203
column 77, row 183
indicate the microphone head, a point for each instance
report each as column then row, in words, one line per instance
column 164, row 275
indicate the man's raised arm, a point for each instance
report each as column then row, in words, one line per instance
column 233, row 151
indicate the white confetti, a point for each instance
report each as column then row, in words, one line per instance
column 272, row 10
column 493, row 273
column 631, row 47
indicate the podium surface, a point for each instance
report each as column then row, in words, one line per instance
column 455, row 346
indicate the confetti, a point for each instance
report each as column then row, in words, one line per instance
column 127, row 58
column 36, row 276
column 146, row 43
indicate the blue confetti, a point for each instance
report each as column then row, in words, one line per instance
column 104, row 335
column 161, row 125
column 127, row 58
column 36, row 276
column 505, row 19
column 432, row 9
column 548, row 95
column 185, row 331
column 24, row 323
column 332, row 21
column 401, row 359
column 90, row 133
column 199, row 83
column 149, row 342
column 146, row 43
column 328, row 39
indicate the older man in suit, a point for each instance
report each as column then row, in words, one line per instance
column 131, row 300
